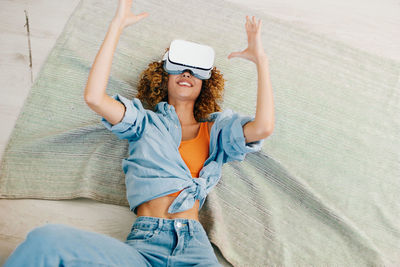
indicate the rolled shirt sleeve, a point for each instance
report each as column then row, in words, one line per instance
column 134, row 121
column 232, row 137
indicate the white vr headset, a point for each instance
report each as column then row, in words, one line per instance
column 184, row 55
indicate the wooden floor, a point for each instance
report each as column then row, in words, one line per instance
column 372, row 25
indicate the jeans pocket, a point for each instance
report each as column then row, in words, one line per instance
column 141, row 235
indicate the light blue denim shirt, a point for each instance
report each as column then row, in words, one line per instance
column 155, row 168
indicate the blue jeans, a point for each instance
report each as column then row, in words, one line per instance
column 152, row 241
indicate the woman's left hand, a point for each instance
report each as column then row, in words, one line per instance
column 254, row 50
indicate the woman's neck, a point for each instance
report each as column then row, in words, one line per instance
column 184, row 110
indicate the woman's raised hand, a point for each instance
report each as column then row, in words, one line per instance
column 124, row 14
column 254, row 50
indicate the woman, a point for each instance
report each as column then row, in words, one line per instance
column 166, row 184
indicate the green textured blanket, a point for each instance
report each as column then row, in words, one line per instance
column 325, row 189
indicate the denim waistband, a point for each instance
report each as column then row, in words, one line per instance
column 163, row 224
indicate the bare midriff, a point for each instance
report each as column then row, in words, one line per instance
column 159, row 208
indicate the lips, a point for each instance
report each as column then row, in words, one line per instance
column 185, row 82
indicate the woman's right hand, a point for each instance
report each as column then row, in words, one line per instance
column 125, row 16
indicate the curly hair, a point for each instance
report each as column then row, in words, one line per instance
column 153, row 88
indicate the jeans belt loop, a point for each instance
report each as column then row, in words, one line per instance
column 160, row 224
column 190, row 222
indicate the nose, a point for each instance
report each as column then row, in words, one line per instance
column 187, row 73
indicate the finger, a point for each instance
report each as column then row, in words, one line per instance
column 254, row 21
column 234, row 54
column 248, row 24
column 259, row 25
column 132, row 18
column 143, row 15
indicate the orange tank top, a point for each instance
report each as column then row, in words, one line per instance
column 195, row 152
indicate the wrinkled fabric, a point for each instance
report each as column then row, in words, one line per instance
column 155, row 168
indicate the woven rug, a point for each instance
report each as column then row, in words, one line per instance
column 324, row 190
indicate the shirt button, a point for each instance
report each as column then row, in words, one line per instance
column 176, row 126
column 178, row 224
